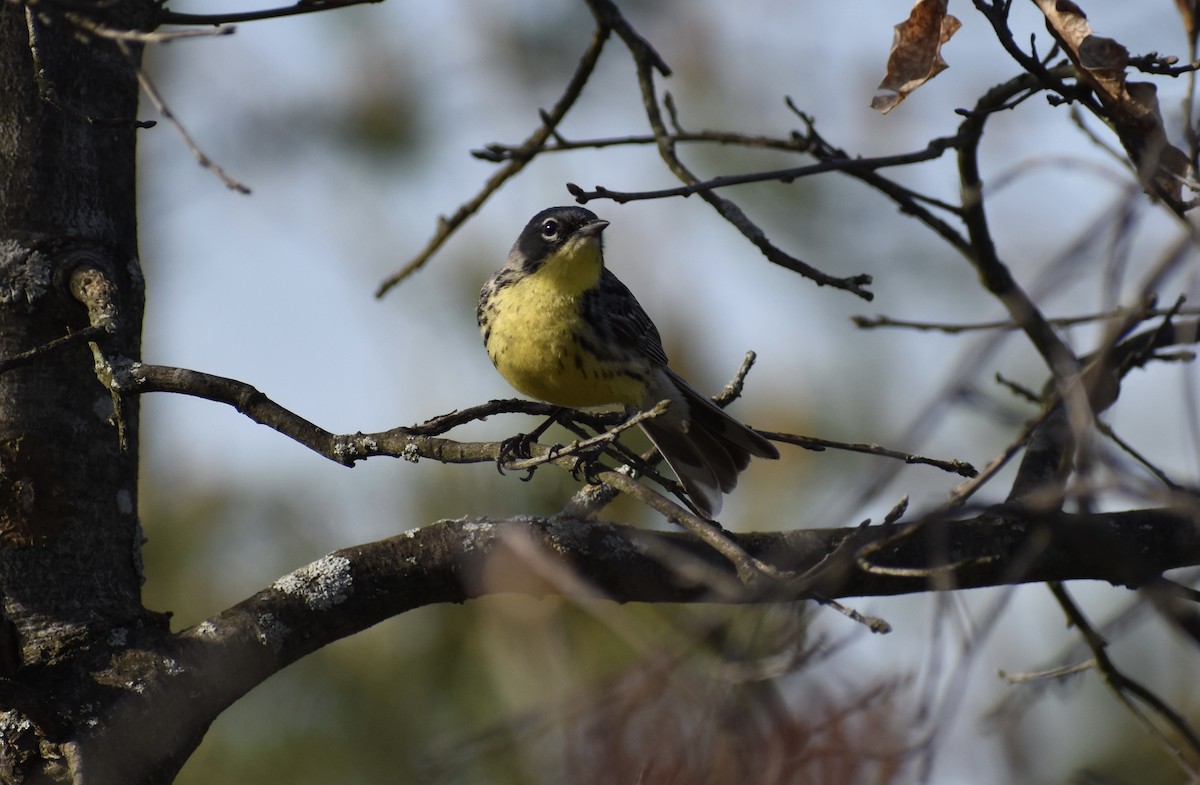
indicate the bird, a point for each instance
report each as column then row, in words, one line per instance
column 560, row 327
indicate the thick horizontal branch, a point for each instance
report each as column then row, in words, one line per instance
column 446, row 562
column 453, row 561
column 208, row 667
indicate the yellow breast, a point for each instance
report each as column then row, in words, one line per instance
column 539, row 342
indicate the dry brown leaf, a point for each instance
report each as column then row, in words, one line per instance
column 1131, row 107
column 1189, row 10
column 916, row 55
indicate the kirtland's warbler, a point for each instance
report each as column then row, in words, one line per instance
column 560, row 327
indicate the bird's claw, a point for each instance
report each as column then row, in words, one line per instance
column 587, row 463
column 515, row 448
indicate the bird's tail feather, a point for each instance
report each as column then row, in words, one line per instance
column 692, row 466
column 705, row 447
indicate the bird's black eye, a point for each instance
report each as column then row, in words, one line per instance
column 550, row 229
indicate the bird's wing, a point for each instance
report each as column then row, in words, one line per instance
column 612, row 305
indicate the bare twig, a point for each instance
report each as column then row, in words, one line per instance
column 1163, row 65
column 647, row 62
column 498, row 153
column 935, row 149
column 733, row 390
column 576, row 448
column 169, row 17
column 817, row 445
column 994, row 274
column 965, row 490
column 156, row 98
column 876, row 322
column 876, row 624
column 435, row 426
column 527, row 151
column 754, row 573
column 1048, row 78
column 86, row 23
column 1051, row 674
column 1125, row 689
column 908, row 200
column 1128, row 448
column 48, row 91
column 1018, row 390
column 89, row 333
column 403, row 443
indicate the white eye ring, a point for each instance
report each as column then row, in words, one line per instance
column 550, row 229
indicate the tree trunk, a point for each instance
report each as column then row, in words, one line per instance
column 70, row 540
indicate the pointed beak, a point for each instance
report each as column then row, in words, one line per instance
column 592, row 229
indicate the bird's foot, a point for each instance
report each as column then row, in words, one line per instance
column 587, row 465
column 516, row 448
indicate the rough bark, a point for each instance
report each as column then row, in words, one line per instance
column 69, row 534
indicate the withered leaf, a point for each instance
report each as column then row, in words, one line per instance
column 916, row 55
column 1189, row 10
column 1131, row 107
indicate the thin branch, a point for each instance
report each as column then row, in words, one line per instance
column 993, row 273
column 48, row 91
column 498, row 153
column 527, row 151
column 1019, row 390
column 138, row 378
column 934, row 150
column 1132, row 611
column 961, row 468
column 1046, row 464
column 647, row 61
column 1048, row 675
column 86, row 23
column 1125, row 689
column 877, row 322
column 965, row 490
column 997, row 15
column 438, row 425
column 1128, row 448
column 583, row 446
column 910, row 202
column 404, row 443
column 157, row 99
column 759, row 577
column 733, row 390
column 89, row 333
column 169, row 17
column 1162, row 65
